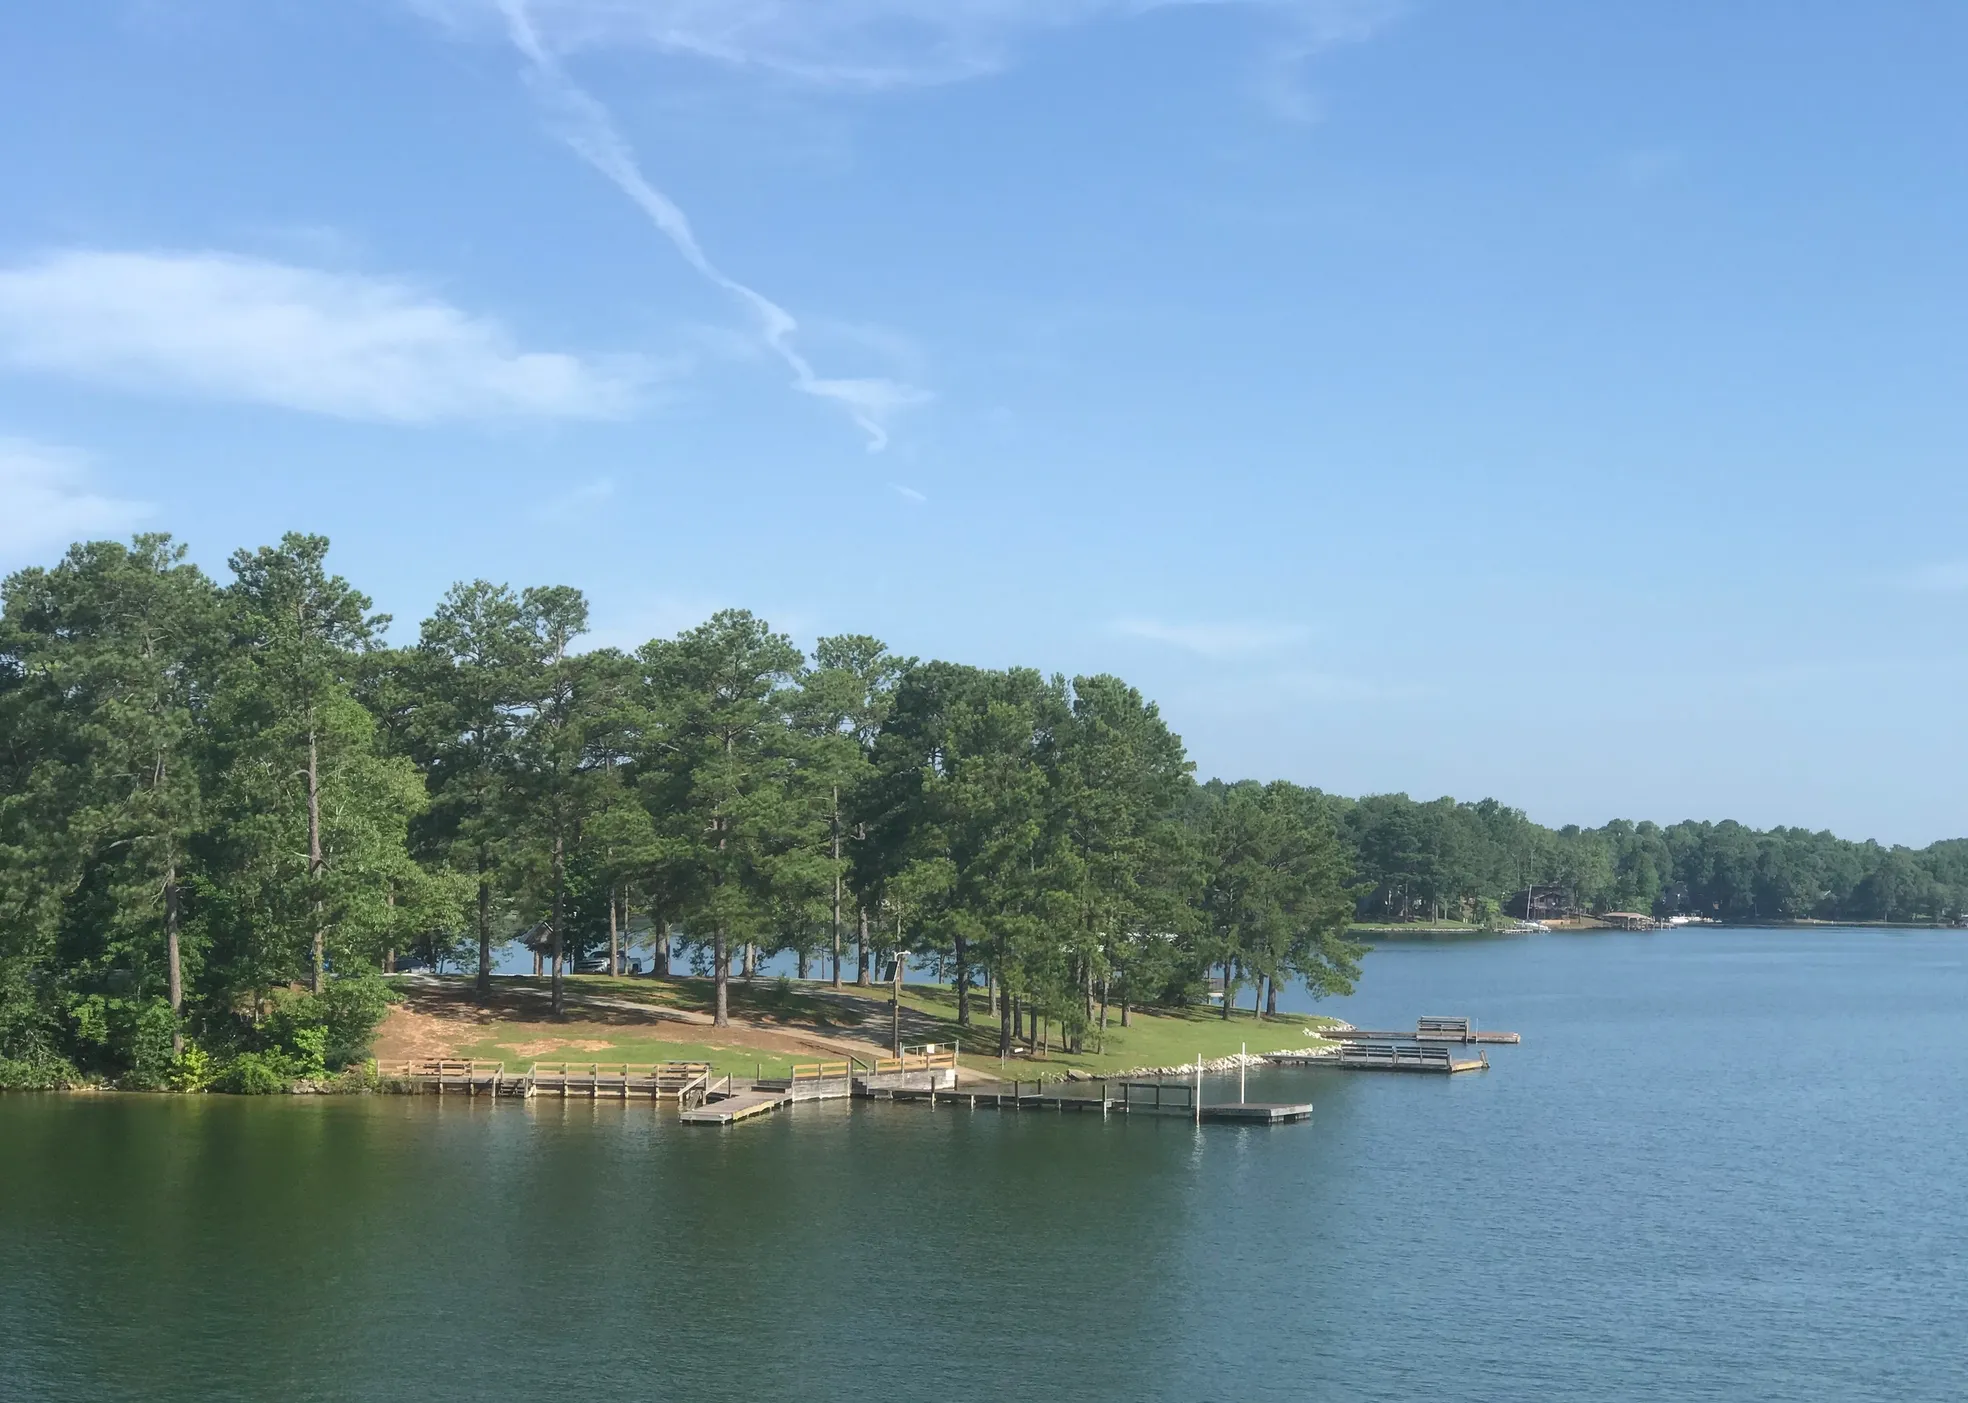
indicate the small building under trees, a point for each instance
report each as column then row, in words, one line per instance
column 1549, row 903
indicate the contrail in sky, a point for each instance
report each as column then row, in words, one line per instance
column 587, row 127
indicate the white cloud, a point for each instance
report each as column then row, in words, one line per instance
column 227, row 327
column 1216, row 640
column 46, row 500
column 909, row 494
column 591, row 132
column 856, row 44
column 870, row 43
column 1944, row 577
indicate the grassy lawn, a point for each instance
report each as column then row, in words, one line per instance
column 764, row 1000
column 1165, row 1038
column 622, row 1046
column 610, row 1034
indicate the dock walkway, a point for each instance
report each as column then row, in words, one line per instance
column 1134, row 1098
column 1427, row 1030
column 1416, row 1057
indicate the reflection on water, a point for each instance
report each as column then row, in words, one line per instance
column 1723, row 1165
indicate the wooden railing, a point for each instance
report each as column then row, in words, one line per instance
column 1392, row 1055
column 685, row 1081
column 821, row 1071
column 931, row 1058
column 444, row 1069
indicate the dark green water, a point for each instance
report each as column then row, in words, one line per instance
column 1725, row 1165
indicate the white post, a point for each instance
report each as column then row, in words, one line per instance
column 1196, row 1097
column 1243, row 1051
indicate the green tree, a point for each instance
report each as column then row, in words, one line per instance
column 107, row 660
column 723, row 774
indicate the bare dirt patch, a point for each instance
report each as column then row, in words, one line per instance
column 540, row 1047
column 437, row 1018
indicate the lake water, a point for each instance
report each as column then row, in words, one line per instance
column 1724, row 1164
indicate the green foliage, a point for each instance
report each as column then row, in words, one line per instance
column 196, row 1071
column 214, row 797
column 41, row 1073
column 321, row 1033
column 130, row 1039
column 257, row 1074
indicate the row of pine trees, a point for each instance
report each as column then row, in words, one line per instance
column 226, row 807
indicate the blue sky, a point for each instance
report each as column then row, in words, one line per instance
column 1563, row 403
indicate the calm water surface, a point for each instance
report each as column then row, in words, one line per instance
column 1724, row 1165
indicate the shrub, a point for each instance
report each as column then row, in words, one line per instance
column 326, row 1032
column 39, row 1072
column 126, row 1038
column 195, row 1070
column 256, row 1074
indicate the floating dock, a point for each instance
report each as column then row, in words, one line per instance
column 737, row 1106
column 1426, row 1030
column 1416, row 1057
column 1175, row 1098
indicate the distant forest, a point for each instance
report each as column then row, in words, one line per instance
column 1441, row 859
column 226, row 808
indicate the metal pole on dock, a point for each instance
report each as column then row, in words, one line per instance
column 1196, row 1096
column 1243, row 1051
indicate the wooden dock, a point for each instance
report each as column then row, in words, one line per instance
column 1427, row 1030
column 1414, row 1057
column 1134, row 1098
column 805, row 1081
column 736, row 1106
column 686, row 1083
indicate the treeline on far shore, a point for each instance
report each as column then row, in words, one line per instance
column 1474, row 861
column 227, row 807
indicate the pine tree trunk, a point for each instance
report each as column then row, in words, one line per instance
column 861, row 946
column 1228, row 991
column 963, row 981
column 614, row 938
column 1271, row 1000
column 721, row 979
column 484, row 923
column 315, row 863
column 559, row 909
column 173, row 960
column 837, row 887
column 1124, row 1010
column 659, row 960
